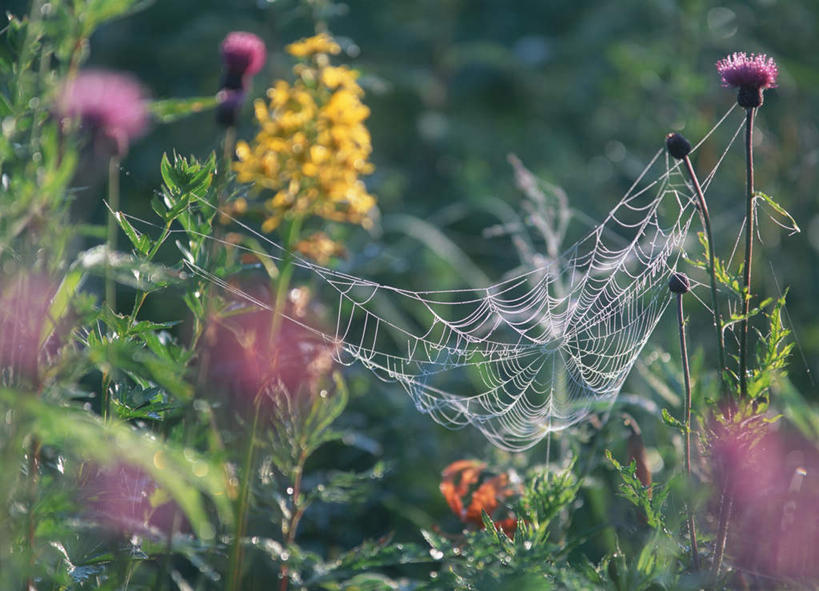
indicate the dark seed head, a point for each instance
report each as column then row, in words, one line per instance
column 677, row 145
column 678, row 283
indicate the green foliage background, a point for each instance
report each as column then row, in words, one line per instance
column 584, row 93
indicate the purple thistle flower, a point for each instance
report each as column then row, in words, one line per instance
column 751, row 75
column 244, row 55
column 109, row 104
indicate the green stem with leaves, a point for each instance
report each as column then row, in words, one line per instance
column 243, row 502
column 282, row 285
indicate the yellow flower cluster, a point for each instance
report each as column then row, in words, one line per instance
column 312, row 145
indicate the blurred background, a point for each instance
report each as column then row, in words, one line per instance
column 583, row 92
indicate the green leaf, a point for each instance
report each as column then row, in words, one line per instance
column 671, row 421
column 141, row 242
column 60, row 303
column 186, row 475
column 126, row 269
column 793, row 227
column 169, row 110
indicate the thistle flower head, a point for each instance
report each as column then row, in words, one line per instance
column 109, row 104
column 243, row 54
column 750, row 74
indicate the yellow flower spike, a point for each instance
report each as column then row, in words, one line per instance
column 321, row 43
column 312, row 146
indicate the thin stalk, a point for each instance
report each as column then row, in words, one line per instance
column 230, row 140
column 33, row 471
column 282, row 286
column 726, row 500
column 749, row 247
column 111, row 235
column 726, row 505
column 695, row 559
column 706, row 224
column 283, row 280
column 244, row 501
column 298, row 511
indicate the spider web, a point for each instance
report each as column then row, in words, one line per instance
column 531, row 354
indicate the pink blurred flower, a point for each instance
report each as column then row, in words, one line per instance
column 24, row 303
column 243, row 361
column 109, row 104
column 774, row 483
column 244, row 55
column 120, row 497
column 751, row 75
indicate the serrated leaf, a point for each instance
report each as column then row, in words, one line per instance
column 141, row 242
column 669, row 420
column 60, row 302
column 794, row 227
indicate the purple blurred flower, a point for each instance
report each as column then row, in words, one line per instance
column 110, row 105
column 751, row 75
column 773, row 479
column 24, row 303
column 244, row 55
column 123, row 498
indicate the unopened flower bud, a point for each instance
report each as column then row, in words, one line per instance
column 678, row 283
column 677, row 145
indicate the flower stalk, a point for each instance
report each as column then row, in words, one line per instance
column 680, row 285
column 749, row 249
column 679, row 147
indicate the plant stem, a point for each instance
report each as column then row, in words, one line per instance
column 227, row 154
column 749, row 245
column 283, row 283
column 33, row 470
column 283, row 280
column 298, row 511
column 695, row 559
column 706, row 223
column 726, row 504
column 111, row 235
column 244, row 498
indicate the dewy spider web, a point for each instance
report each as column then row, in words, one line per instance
column 531, row 354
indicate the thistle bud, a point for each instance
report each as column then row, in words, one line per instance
column 677, row 145
column 678, row 283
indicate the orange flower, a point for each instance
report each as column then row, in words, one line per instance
column 470, row 490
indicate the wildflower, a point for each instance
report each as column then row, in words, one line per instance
column 318, row 44
column 124, row 498
column 24, row 304
column 244, row 55
column 771, row 477
column 471, row 490
column 751, row 75
column 312, row 146
column 320, row 247
column 245, row 362
column 111, row 106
